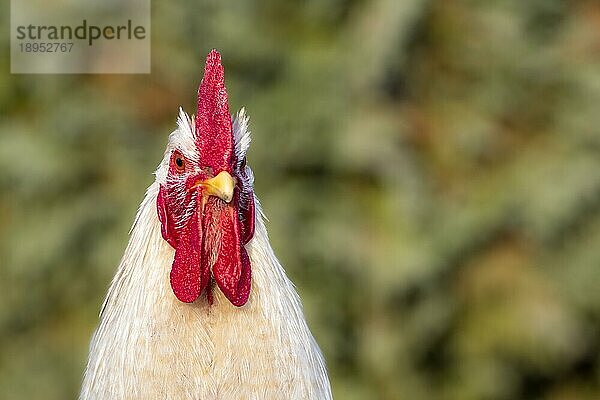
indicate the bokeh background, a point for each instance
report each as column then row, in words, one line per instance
column 431, row 171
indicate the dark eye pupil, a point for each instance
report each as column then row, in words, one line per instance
column 179, row 162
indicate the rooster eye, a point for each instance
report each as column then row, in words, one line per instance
column 179, row 161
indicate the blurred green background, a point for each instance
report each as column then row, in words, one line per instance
column 431, row 171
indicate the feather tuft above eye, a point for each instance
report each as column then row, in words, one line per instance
column 241, row 135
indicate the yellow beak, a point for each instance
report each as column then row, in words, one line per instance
column 220, row 186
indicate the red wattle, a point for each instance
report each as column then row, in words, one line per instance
column 231, row 269
column 188, row 279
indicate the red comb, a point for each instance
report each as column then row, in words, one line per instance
column 214, row 134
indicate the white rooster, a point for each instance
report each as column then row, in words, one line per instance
column 199, row 307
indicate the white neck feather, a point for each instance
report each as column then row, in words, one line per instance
column 149, row 345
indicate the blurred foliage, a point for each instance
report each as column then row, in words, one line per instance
column 431, row 171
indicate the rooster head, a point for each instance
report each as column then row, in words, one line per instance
column 206, row 202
